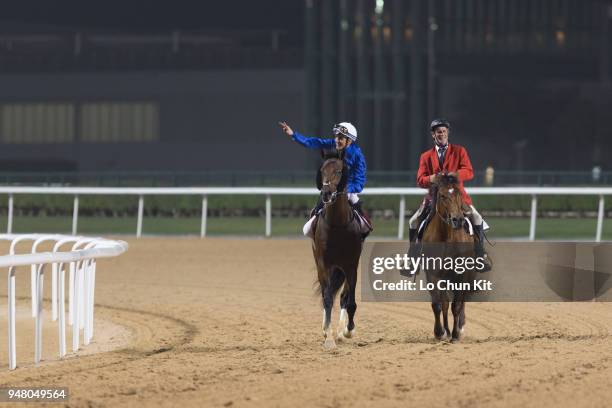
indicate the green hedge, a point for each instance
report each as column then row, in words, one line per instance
column 189, row 205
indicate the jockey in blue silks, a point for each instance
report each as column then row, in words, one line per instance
column 345, row 139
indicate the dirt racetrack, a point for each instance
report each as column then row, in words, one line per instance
column 222, row 322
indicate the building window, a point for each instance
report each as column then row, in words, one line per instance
column 37, row 123
column 119, row 122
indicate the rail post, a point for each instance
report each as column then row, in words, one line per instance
column 402, row 212
column 534, row 210
column 600, row 218
column 140, row 213
column 268, row 215
column 11, row 319
column 75, row 214
column 39, row 313
column 9, row 222
column 61, row 294
column 204, row 216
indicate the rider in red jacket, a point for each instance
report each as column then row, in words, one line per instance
column 452, row 159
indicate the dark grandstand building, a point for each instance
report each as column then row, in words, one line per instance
column 514, row 77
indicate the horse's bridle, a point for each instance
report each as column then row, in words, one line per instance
column 334, row 195
column 448, row 220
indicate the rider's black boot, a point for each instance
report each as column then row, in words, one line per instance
column 414, row 247
column 412, row 250
column 479, row 248
column 317, row 209
column 357, row 207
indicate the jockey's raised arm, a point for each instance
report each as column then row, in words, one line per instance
column 313, row 142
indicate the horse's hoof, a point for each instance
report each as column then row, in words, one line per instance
column 455, row 340
column 348, row 333
column 329, row 344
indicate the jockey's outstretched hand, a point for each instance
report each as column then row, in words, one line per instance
column 286, row 128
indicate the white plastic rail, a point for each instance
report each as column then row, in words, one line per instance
column 82, row 264
column 268, row 192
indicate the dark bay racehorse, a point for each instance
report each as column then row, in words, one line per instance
column 447, row 226
column 336, row 247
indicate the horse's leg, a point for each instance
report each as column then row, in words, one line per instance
column 445, row 316
column 462, row 318
column 329, row 293
column 457, row 306
column 343, row 320
column 351, row 304
column 436, row 305
column 438, row 329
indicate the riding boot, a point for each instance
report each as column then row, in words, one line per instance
column 414, row 247
column 479, row 248
column 317, row 208
column 412, row 250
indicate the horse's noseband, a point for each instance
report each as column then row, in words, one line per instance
column 455, row 222
column 332, row 199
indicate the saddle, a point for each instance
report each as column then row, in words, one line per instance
column 365, row 225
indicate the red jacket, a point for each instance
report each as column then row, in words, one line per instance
column 456, row 159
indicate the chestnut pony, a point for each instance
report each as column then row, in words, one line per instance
column 336, row 248
column 447, row 226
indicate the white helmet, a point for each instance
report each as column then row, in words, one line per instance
column 346, row 129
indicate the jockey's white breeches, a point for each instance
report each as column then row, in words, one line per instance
column 412, row 222
column 306, row 229
column 476, row 216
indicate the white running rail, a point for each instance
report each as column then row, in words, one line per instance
column 268, row 192
column 81, row 260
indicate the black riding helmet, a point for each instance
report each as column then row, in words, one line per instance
column 439, row 122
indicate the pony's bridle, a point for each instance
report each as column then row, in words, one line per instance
column 453, row 223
